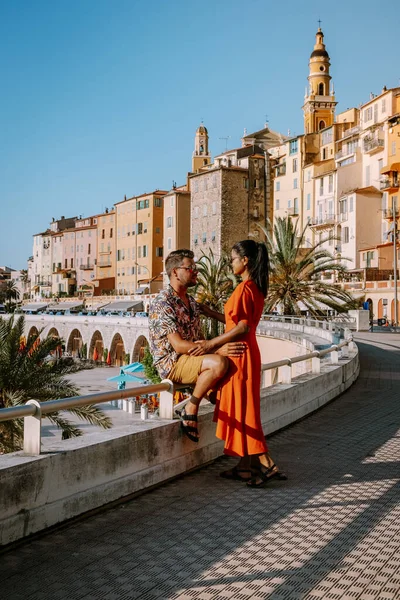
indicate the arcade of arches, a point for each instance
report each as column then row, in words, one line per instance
column 383, row 308
column 117, row 348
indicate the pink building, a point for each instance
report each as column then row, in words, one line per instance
column 85, row 252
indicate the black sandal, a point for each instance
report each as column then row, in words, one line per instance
column 234, row 474
column 266, row 474
column 188, row 430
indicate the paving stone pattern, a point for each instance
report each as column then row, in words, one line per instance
column 330, row 532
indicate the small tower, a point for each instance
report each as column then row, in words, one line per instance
column 201, row 156
column 319, row 101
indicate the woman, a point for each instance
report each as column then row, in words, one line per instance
column 237, row 411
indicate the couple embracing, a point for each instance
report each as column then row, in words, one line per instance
column 226, row 369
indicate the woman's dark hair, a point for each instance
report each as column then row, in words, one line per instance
column 258, row 266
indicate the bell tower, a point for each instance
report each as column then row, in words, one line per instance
column 201, row 156
column 319, row 100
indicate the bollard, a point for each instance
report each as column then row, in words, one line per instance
column 316, row 364
column 347, row 333
column 286, row 372
column 167, row 401
column 32, row 430
column 335, row 357
column 345, row 352
column 352, row 346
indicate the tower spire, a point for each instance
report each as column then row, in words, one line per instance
column 319, row 103
column 201, row 156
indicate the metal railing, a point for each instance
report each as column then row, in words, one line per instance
column 33, row 411
column 372, row 144
column 350, row 132
column 388, row 213
column 323, row 323
column 326, row 220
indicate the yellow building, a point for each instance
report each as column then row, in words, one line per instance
column 390, row 180
column 319, row 101
column 139, row 243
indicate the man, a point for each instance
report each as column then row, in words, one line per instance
column 174, row 324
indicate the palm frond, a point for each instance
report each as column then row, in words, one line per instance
column 26, row 373
column 295, row 272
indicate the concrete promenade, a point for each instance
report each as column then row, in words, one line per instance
column 332, row 531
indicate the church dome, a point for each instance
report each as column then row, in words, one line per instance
column 319, row 54
column 202, row 129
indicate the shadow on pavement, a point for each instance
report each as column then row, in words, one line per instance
column 331, row 531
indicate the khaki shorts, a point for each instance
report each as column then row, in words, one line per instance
column 187, row 369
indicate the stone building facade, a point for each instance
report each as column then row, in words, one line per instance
column 228, row 201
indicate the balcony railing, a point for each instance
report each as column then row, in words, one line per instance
column 351, row 132
column 87, row 266
column 280, row 170
column 388, row 213
column 322, row 222
column 293, row 211
column 343, row 217
column 106, row 263
column 389, row 182
column 373, row 144
column 43, row 283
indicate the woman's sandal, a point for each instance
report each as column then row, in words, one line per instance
column 234, row 474
column 188, row 430
column 265, row 474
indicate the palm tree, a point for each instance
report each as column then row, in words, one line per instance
column 215, row 284
column 11, row 291
column 26, row 372
column 24, row 276
column 296, row 273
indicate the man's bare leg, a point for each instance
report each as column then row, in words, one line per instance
column 213, row 368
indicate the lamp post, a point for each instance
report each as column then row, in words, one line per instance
column 142, row 267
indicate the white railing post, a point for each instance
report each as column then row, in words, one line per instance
column 316, row 365
column 167, row 401
column 345, row 351
column 32, row 430
column 352, row 345
column 347, row 333
column 335, row 356
column 286, row 372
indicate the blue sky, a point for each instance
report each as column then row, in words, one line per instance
column 101, row 98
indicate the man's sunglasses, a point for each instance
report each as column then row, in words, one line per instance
column 192, row 269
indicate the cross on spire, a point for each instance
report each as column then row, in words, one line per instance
column 319, row 23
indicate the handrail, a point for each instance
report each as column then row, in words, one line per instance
column 51, row 406
column 308, row 322
column 296, row 359
column 33, row 411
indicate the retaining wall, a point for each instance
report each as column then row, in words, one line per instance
column 79, row 475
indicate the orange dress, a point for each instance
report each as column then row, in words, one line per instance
column 237, row 411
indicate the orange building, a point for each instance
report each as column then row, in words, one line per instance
column 139, row 243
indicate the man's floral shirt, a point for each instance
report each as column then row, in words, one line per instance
column 168, row 314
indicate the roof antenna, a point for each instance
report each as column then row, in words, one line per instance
column 226, row 141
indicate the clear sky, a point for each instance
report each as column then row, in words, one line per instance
column 101, row 98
